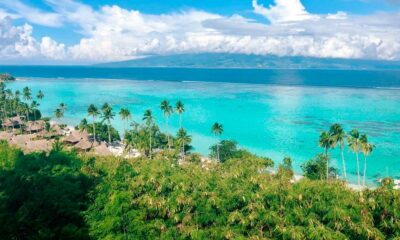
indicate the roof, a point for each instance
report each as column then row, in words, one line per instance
column 102, row 150
column 6, row 135
column 84, row 144
column 57, row 129
column 36, row 126
column 14, row 121
column 38, row 146
column 21, row 140
column 77, row 136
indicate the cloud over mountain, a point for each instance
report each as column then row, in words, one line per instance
column 112, row 33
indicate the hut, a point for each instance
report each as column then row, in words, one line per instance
column 36, row 126
column 102, row 150
column 84, row 145
column 7, row 136
column 57, row 130
column 76, row 136
column 38, row 146
column 13, row 122
column 21, row 140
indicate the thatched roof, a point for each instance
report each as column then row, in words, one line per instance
column 102, row 150
column 57, row 129
column 6, row 135
column 36, row 126
column 84, row 144
column 21, row 140
column 77, row 136
column 12, row 122
column 38, row 146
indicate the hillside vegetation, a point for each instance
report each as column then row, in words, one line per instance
column 63, row 195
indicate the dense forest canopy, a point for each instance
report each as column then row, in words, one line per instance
column 6, row 77
column 64, row 195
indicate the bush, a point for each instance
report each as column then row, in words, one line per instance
column 316, row 168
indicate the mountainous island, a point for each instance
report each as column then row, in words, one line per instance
column 227, row 60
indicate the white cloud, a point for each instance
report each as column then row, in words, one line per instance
column 32, row 14
column 4, row 14
column 16, row 41
column 284, row 11
column 51, row 49
column 112, row 33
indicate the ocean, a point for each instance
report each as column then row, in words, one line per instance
column 273, row 113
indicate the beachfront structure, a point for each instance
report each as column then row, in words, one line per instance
column 41, row 145
column 13, row 122
column 35, row 126
column 76, row 136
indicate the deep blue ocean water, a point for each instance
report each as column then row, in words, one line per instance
column 274, row 113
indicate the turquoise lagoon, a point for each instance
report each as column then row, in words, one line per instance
column 268, row 119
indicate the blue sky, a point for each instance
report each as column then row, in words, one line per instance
column 71, row 31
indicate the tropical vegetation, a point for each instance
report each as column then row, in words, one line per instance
column 170, row 192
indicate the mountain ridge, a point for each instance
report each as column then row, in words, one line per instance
column 225, row 60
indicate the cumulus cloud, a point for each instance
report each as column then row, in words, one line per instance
column 51, row 49
column 112, row 33
column 16, row 41
column 284, row 11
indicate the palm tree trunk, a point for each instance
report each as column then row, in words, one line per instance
column 94, row 128
column 327, row 163
column 169, row 143
column 217, row 150
column 343, row 163
column 358, row 169
column 109, row 133
column 183, row 149
column 27, row 120
column 180, row 121
column 150, row 143
column 365, row 169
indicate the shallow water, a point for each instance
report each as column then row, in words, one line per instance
column 270, row 120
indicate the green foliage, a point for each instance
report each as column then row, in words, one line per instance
column 46, row 197
column 42, row 197
column 316, row 168
column 101, row 131
column 285, row 170
column 227, row 150
column 6, row 77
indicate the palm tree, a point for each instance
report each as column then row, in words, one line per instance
column 40, row 95
column 83, row 125
column 366, row 149
column 180, row 108
column 17, row 94
column 108, row 115
column 27, row 97
column 167, row 110
column 355, row 144
column 129, row 140
column 9, row 97
column 58, row 113
column 183, row 139
column 34, row 106
column 325, row 142
column 148, row 117
column 217, row 130
column 63, row 107
column 125, row 115
column 338, row 135
column 27, row 93
column 93, row 112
